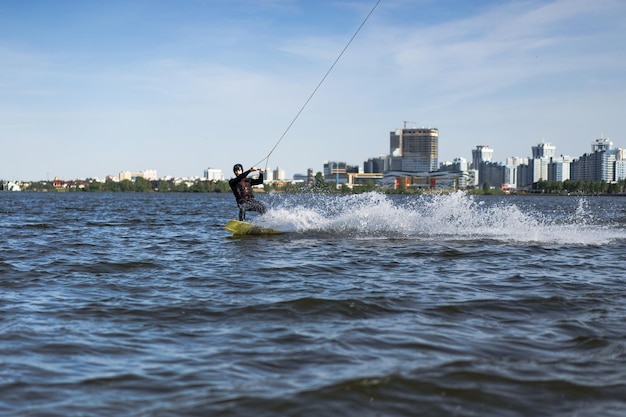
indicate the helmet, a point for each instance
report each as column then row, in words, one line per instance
column 237, row 166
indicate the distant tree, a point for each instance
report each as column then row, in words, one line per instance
column 320, row 185
column 549, row 186
column 125, row 185
column 345, row 189
column 319, row 180
column 181, row 187
column 142, row 185
column 93, row 185
column 201, row 186
column 575, row 186
column 221, row 186
column 369, row 185
column 110, row 186
column 557, row 186
column 42, row 186
column 291, row 187
column 163, row 186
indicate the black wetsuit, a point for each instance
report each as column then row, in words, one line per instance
column 242, row 189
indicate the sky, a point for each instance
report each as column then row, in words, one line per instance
column 90, row 88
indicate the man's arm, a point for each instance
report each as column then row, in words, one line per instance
column 239, row 177
column 259, row 180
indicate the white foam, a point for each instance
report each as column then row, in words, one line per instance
column 455, row 216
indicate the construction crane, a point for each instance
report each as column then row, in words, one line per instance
column 405, row 122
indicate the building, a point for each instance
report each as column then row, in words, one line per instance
column 491, row 173
column 620, row 164
column 213, row 174
column 538, row 169
column 559, row 169
column 523, row 175
column 538, row 165
column 10, row 186
column 458, row 165
column 148, row 174
column 620, row 170
column 360, row 178
column 516, row 172
column 337, row 172
column 543, row 166
column 308, row 178
column 602, row 145
column 544, row 150
column 465, row 176
column 375, row 165
column 516, row 161
column 481, row 154
column 413, row 150
column 599, row 165
column 279, row 174
column 510, row 177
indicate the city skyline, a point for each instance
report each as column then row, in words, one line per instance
column 90, row 89
column 154, row 171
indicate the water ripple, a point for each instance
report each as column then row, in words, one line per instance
column 142, row 305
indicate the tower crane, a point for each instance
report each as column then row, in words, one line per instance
column 405, row 122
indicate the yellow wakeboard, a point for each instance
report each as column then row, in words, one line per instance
column 245, row 228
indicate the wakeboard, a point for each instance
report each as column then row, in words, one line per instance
column 245, row 228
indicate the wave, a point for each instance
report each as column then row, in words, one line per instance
column 455, row 216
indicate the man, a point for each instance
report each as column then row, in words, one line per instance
column 242, row 189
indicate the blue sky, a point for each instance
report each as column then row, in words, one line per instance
column 92, row 88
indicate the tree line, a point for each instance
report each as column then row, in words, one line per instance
column 142, row 185
column 580, row 187
column 319, row 185
column 139, row 185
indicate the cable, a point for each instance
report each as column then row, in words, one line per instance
column 317, row 87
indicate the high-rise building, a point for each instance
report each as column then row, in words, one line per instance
column 481, row 157
column 559, row 169
column 492, row 173
column 510, row 176
column 375, row 165
column 523, row 175
column 517, row 172
column 481, row 154
column 279, row 174
column 516, row 160
column 601, row 145
column 538, row 165
column 414, row 149
column 596, row 166
column 538, row 169
column 620, row 164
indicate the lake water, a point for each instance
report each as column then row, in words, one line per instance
column 372, row 305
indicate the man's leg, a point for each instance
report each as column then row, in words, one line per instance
column 258, row 207
column 254, row 205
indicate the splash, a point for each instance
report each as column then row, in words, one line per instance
column 455, row 216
